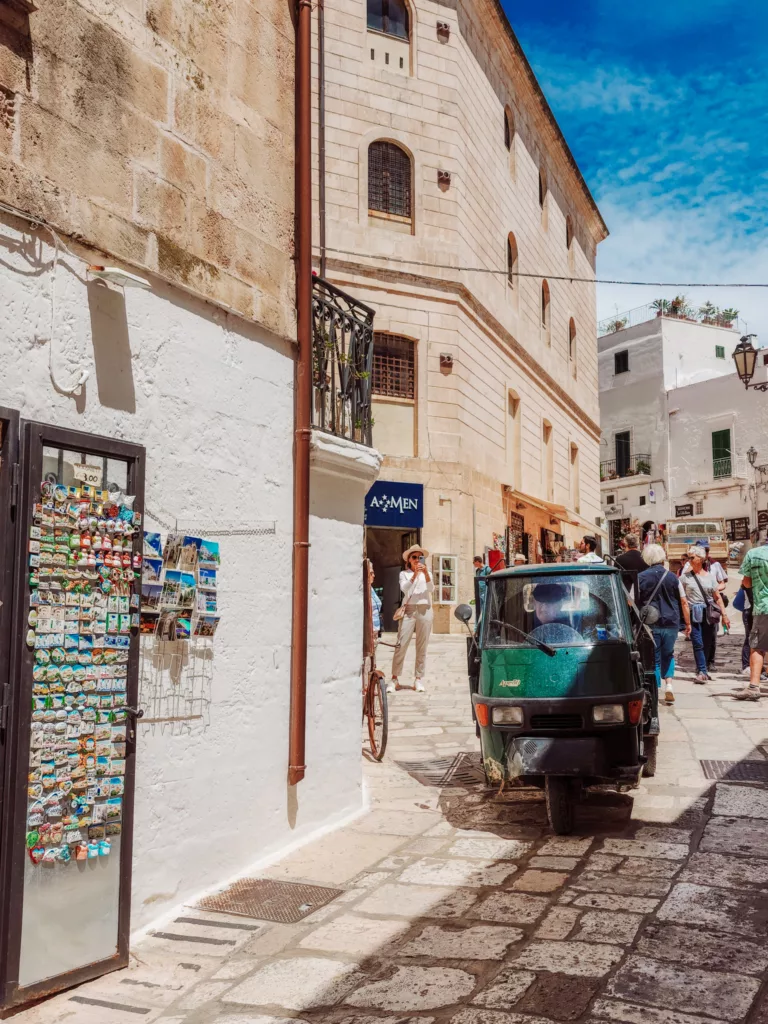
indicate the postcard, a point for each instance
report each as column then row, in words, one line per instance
column 183, row 627
column 189, row 549
column 151, row 594
column 147, row 623
column 206, row 579
column 152, row 570
column 208, row 555
column 206, row 625
column 153, row 545
column 172, row 550
column 206, row 601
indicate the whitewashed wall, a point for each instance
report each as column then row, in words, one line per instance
column 211, row 399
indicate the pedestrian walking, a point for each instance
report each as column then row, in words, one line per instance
column 755, row 581
column 481, row 571
column 660, row 590
column 631, row 561
column 707, row 611
column 721, row 579
column 588, row 548
column 415, row 616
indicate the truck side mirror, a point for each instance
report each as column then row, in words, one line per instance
column 463, row 613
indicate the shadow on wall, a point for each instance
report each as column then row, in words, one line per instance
column 111, row 347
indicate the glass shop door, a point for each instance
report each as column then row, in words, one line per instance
column 67, row 833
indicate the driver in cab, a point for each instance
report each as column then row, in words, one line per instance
column 554, row 621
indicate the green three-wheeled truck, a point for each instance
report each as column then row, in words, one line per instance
column 562, row 681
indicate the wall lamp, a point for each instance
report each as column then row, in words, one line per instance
column 745, row 358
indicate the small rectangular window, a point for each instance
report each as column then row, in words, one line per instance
column 386, row 58
column 642, row 499
column 401, row 62
column 393, row 366
column 621, row 362
column 610, row 499
column 719, row 351
column 699, row 508
column 373, row 54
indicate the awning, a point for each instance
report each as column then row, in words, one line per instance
column 556, row 511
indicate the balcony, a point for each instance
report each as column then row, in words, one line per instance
column 734, row 466
column 631, row 465
column 672, row 309
column 721, row 468
column 342, row 360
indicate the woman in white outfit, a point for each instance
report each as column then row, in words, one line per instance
column 417, row 586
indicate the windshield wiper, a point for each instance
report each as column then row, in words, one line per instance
column 531, row 639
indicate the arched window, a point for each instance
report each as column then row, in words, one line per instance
column 512, row 261
column 571, row 339
column 568, row 232
column 545, row 308
column 389, row 180
column 542, row 187
column 390, row 17
column 509, row 128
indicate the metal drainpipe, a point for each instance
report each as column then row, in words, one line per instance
column 321, row 128
column 302, row 393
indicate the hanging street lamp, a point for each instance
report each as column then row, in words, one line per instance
column 752, row 455
column 745, row 358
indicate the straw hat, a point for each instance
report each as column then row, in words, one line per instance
column 416, row 549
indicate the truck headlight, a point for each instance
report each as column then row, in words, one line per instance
column 608, row 713
column 507, row 716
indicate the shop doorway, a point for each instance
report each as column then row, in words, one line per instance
column 517, row 538
column 67, row 736
column 384, row 547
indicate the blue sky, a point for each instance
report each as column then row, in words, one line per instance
column 664, row 104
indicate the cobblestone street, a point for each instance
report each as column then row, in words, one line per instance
column 458, row 904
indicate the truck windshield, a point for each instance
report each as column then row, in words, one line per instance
column 690, row 533
column 556, row 610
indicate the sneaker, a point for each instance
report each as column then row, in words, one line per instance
column 701, row 678
column 669, row 694
column 390, row 687
column 419, row 687
column 746, row 671
column 748, row 693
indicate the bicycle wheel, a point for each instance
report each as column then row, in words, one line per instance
column 378, row 724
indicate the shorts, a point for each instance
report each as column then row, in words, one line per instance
column 758, row 636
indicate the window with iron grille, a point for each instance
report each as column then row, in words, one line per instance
column 389, row 179
column 389, row 16
column 393, row 366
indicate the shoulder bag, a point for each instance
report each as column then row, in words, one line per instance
column 712, row 613
column 649, row 615
column 399, row 613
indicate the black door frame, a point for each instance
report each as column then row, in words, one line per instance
column 34, row 437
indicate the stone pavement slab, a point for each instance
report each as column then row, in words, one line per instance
column 478, row 942
column 585, row 959
column 415, row 988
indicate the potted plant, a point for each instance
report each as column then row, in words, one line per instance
column 643, row 466
column 677, row 306
column 661, row 306
column 617, row 325
column 727, row 316
column 708, row 313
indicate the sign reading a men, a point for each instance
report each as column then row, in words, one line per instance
column 395, row 504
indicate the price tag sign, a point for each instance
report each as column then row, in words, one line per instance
column 88, row 474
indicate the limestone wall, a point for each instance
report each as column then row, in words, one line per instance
column 161, row 132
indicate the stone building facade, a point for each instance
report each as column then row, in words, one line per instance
column 155, row 140
column 454, row 207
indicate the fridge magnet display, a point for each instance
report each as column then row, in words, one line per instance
column 206, row 625
column 82, row 589
column 153, row 545
column 208, row 555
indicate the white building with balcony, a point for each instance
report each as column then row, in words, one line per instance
column 676, row 425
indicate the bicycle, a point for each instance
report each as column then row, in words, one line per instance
column 374, row 685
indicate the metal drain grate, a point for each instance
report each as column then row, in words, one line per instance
column 736, row 771
column 268, row 900
column 462, row 770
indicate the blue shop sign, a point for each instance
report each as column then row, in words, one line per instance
column 395, row 504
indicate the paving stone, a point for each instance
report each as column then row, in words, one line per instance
column 511, row 908
column 539, row 881
column 715, row 908
column 260, row 1018
column 708, row 950
column 604, row 926
column 644, row 867
column 729, row 872
column 628, row 1013
column 606, row 901
column 665, row 835
column 415, row 988
column 603, row 862
column 645, row 848
column 558, row 996
column 644, row 980
column 201, row 994
column 395, row 899
column 233, row 969
column 564, row 846
column 489, row 848
column 425, row 846
column 558, row 923
column 476, row 1015
column 554, row 863
column 580, row 958
column 362, row 1018
column 473, row 873
column 735, row 835
column 594, row 881
column 398, row 823
column 296, row 984
column 507, row 987
column 480, row 942
column 350, row 933
column 740, row 802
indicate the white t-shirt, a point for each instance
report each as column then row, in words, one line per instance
column 418, row 592
column 591, row 556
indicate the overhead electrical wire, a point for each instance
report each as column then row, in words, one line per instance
column 572, row 278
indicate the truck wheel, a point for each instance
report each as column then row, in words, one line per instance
column 561, row 797
column 650, row 750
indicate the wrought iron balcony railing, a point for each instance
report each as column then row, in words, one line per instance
column 632, row 465
column 342, row 361
column 722, row 468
